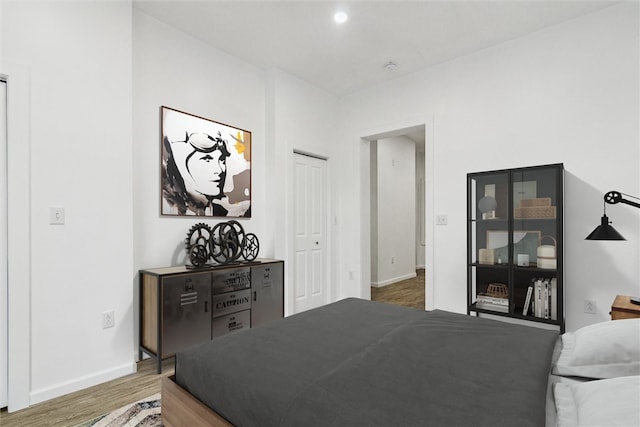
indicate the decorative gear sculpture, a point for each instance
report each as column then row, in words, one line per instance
column 199, row 234
column 250, row 247
column 198, row 255
column 225, row 243
column 197, row 241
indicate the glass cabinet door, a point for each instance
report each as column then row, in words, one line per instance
column 536, row 209
column 489, row 253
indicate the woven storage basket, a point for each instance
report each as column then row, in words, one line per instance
column 498, row 290
column 535, row 212
column 543, row 201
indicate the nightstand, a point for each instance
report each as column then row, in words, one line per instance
column 623, row 309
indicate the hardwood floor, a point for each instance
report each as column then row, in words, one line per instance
column 408, row 293
column 75, row 408
column 85, row 405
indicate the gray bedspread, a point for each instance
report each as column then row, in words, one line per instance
column 361, row 363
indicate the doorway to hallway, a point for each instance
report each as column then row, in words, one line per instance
column 395, row 164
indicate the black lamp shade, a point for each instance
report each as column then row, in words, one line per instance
column 605, row 231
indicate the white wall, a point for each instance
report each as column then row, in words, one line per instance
column 568, row 94
column 301, row 117
column 76, row 58
column 395, row 231
column 173, row 69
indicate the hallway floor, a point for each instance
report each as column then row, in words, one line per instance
column 408, row 293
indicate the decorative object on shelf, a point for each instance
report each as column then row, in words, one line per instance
column 538, row 208
column 486, row 256
column 205, row 167
column 488, row 302
column 498, row 290
column 547, row 257
column 605, row 231
column 487, row 205
column 523, row 260
column 225, row 243
column 524, row 190
column 542, row 295
column 540, row 201
column 524, row 242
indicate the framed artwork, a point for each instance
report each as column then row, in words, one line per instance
column 524, row 190
column 205, row 167
column 524, row 242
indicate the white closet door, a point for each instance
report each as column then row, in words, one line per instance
column 310, row 260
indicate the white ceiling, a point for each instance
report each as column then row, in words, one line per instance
column 301, row 38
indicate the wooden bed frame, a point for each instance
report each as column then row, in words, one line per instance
column 181, row 409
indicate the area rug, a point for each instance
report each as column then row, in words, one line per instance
column 144, row 413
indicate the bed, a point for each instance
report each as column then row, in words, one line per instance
column 362, row 363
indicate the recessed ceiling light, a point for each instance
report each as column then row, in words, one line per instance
column 340, row 17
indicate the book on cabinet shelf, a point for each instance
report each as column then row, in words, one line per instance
column 492, row 303
column 542, row 298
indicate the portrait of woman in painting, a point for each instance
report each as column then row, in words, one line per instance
column 206, row 169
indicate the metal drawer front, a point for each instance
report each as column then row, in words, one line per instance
column 230, row 302
column 230, row 280
column 230, row 323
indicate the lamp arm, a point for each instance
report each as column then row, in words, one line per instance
column 613, row 197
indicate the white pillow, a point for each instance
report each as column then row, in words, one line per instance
column 612, row 402
column 603, row 350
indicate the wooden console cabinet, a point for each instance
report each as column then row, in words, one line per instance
column 622, row 308
column 181, row 307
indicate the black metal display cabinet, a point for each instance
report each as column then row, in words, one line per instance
column 515, row 244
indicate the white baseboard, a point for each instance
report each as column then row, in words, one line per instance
column 393, row 280
column 81, row 383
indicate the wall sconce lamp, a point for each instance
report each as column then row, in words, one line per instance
column 605, row 231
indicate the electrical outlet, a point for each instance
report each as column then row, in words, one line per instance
column 589, row 306
column 56, row 216
column 393, row 260
column 108, row 319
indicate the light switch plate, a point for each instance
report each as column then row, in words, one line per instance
column 441, row 220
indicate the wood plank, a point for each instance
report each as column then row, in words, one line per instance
column 407, row 293
column 181, row 409
column 84, row 405
column 150, row 312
